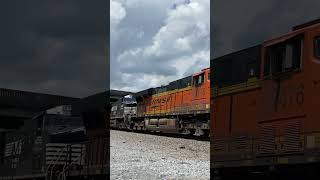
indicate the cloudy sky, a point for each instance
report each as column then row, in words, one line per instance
column 241, row 24
column 155, row 42
column 56, row 47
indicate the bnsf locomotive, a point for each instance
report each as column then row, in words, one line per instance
column 183, row 106
column 265, row 115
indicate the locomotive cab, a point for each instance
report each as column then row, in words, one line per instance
column 200, row 101
column 201, row 90
column 289, row 80
column 270, row 123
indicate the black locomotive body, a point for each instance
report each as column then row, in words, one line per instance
column 52, row 142
column 123, row 113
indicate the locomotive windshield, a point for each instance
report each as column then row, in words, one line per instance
column 317, row 47
column 56, row 123
column 129, row 100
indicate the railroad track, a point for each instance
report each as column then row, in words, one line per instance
column 181, row 136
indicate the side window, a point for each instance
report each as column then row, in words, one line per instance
column 198, row 80
column 194, row 80
column 251, row 70
column 282, row 57
column 208, row 76
column 317, row 47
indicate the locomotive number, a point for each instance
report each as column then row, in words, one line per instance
column 300, row 94
column 289, row 95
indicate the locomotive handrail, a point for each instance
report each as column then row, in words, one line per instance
column 63, row 176
column 65, row 165
column 68, row 154
column 61, row 150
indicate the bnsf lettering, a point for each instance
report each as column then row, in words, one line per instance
column 161, row 100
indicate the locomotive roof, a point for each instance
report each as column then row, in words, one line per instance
column 179, row 83
column 233, row 68
column 245, row 50
column 297, row 30
column 31, row 101
column 307, row 24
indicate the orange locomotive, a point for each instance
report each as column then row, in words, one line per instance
column 181, row 107
column 268, row 119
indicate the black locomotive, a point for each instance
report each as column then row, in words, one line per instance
column 123, row 113
column 52, row 145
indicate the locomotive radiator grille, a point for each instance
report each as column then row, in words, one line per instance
column 219, row 145
column 242, row 143
column 286, row 138
column 58, row 153
column 13, row 148
column 292, row 141
column 267, row 139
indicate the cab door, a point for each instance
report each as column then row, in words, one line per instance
column 281, row 109
column 198, row 90
column 283, row 79
column 197, row 81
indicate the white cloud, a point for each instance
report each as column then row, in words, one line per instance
column 117, row 13
column 178, row 47
column 186, row 65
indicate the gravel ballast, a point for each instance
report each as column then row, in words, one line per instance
column 147, row 157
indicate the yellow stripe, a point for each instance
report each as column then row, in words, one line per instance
column 250, row 84
column 172, row 91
